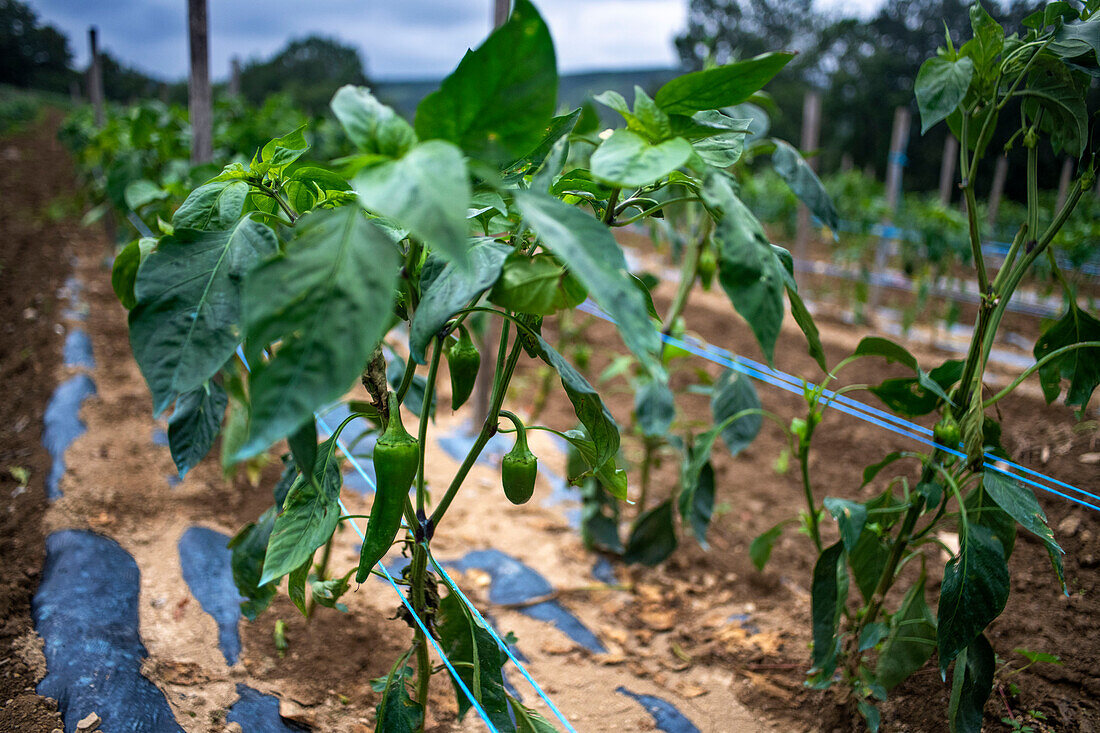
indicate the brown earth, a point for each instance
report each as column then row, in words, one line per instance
column 35, row 254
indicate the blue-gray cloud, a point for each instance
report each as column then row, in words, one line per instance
column 407, row 39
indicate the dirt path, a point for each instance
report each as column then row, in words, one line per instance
column 37, row 243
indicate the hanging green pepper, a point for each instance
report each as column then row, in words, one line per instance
column 519, row 467
column 396, row 460
column 947, row 432
column 463, row 361
column 707, row 266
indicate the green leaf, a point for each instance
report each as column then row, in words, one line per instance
column 696, row 501
column 371, row 125
column 249, row 547
column 591, row 253
column 748, row 269
column 628, row 160
column 1019, row 502
column 125, row 269
column 734, row 393
column 327, row 300
column 557, row 131
column 911, row 639
column 894, row 353
column 600, row 517
column 277, row 154
column 527, row 720
column 303, row 445
column 1077, row 39
column 652, row 537
column 971, row 684
column 805, row 184
column 327, row 593
column 427, row 191
column 1058, row 90
column 540, row 285
column 215, row 205
column 719, row 87
column 805, row 322
column 453, row 289
column 981, row 509
column 477, row 659
column 195, row 423
column 874, row 469
column 760, row 550
column 973, row 593
column 655, row 408
column 308, row 517
column 940, row 87
column 296, row 585
column 850, row 517
column 653, row 120
column 720, row 138
column 910, row 396
column 141, row 192
column 589, row 408
column 397, row 711
column 868, row 559
column 609, row 475
column 989, row 37
column 828, row 593
column 185, row 324
column 496, row 105
column 1080, row 366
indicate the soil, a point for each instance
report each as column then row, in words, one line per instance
column 35, row 252
column 726, row 644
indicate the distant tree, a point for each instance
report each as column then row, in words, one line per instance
column 32, row 55
column 123, row 83
column 309, row 69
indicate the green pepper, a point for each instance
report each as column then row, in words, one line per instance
column 708, row 265
column 947, row 432
column 396, row 460
column 463, row 361
column 519, row 467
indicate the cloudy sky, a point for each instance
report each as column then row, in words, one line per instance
column 410, row 39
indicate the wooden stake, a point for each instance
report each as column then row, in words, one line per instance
column 199, row 101
column 947, row 168
column 235, row 77
column 501, row 9
column 899, row 141
column 811, row 127
column 95, row 77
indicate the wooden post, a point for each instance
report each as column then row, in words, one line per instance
column 235, row 76
column 199, row 101
column 899, row 141
column 483, row 386
column 811, row 127
column 1000, row 174
column 947, row 167
column 1063, row 182
column 501, row 9
column 95, row 77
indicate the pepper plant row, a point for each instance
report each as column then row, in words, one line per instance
column 488, row 206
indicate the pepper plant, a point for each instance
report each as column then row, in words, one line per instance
column 276, row 284
column 876, row 635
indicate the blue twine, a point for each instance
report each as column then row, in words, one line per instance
column 854, row 408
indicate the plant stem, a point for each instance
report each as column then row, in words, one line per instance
column 609, row 212
column 417, row 579
column 425, row 415
column 811, row 504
